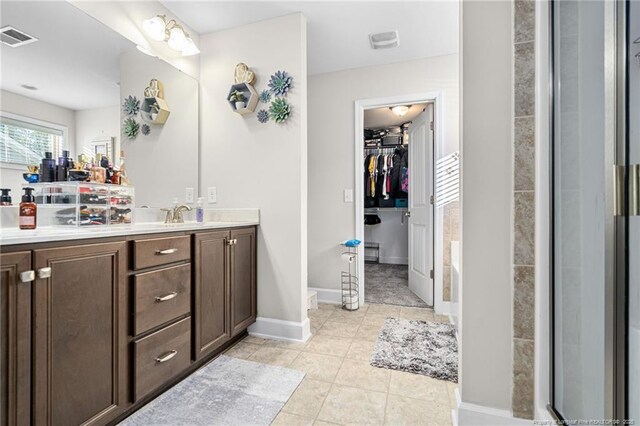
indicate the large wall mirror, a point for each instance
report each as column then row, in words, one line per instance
column 66, row 90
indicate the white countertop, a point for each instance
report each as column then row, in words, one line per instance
column 214, row 219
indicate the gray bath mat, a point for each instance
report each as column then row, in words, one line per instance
column 420, row 347
column 228, row 391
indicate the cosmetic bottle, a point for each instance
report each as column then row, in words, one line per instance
column 28, row 210
column 48, row 169
column 5, row 199
column 200, row 211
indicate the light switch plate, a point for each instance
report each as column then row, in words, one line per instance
column 188, row 195
column 212, row 194
column 348, row 195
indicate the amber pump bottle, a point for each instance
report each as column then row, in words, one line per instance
column 28, row 210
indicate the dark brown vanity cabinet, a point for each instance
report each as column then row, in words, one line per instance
column 225, row 286
column 79, row 334
column 16, row 276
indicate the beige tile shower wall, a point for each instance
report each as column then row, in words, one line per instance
column 523, row 208
column 451, row 232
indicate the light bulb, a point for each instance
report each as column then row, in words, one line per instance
column 177, row 39
column 155, row 28
column 400, row 110
column 190, row 48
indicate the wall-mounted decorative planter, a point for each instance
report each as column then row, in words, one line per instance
column 250, row 95
column 154, row 110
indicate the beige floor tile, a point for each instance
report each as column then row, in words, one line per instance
column 441, row 318
column 338, row 328
column 361, row 350
column 308, row 398
column 321, row 423
column 329, row 345
column 408, row 411
column 418, row 386
column 360, row 374
column 274, row 356
column 453, row 402
column 390, row 310
column 347, row 405
column 423, row 314
column 318, row 366
column 242, row 350
column 368, row 332
column 317, row 322
column 328, row 306
column 285, row 344
column 254, row 340
column 287, row 419
column 348, row 316
column 374, row 320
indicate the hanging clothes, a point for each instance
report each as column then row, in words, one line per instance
column 379, row 175
column 372, row 174
column 385, row 180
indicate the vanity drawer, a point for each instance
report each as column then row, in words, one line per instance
column 161, row 296
column 160, row 251
column 161, row 356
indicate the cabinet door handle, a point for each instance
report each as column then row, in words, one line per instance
column 166, row 356
column 44, row 272
column 167, row 251
column 27, row 276
column 166, row 297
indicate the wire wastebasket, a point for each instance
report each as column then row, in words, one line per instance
column 349, row 276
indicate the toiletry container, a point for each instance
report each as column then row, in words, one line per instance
column 5, row 199
column 48, row 169
column 200, row 210
column 28, row 210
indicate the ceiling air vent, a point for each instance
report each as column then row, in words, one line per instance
column 14, row 37
column 385, row 40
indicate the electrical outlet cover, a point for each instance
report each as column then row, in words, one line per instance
column 189, row 195
column 212, row 194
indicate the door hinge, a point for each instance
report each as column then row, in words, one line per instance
column 431, row 125
column 431, row 274
column 634, row 190
column 431, row 199
column 619, row 195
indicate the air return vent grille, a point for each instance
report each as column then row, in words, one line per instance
column 386, row 40
column 14, row 37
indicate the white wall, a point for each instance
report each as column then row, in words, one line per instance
column 392, row 235
column 331, row 145
column 261, row 165
column 97, row 123
column 126, row 18
column 11, row 176
column 486, row 294
column 164, row 163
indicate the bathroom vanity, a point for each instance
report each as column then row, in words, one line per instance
column 96, row 326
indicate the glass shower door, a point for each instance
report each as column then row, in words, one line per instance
column 583, row 225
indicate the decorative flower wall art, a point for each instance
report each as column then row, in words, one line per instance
column 263, row 116
column 279, row 110
column 145, row 129
column 280, row 83
column 265, row 96
column 130, row 128
column 131, row 105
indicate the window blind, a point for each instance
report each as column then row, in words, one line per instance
column 24, row 142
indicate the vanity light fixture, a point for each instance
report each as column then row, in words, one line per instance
column 171, row 32
column 145, row 50
column 400, row 110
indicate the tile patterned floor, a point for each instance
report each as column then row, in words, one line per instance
column 340, row 387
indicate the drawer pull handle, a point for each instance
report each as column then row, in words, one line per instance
column 44, row 273
column 166, row 356
column 166, row 297
column 167, row 251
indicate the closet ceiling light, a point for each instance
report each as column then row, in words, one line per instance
column 400, row 110
column 176, row 37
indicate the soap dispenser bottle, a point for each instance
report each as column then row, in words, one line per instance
column 28, row 210
column 5, row 199
column 200, row 211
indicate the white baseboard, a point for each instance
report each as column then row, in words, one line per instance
column 442, row 308
column 328, row 295
column 270, row 328
column 479, row 415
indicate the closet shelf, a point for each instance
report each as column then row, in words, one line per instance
column 369, row 210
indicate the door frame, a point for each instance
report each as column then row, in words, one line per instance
column 361, row 105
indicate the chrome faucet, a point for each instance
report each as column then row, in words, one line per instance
column 175, row 215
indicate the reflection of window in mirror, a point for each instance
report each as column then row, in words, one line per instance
column 24, row 140
column 101, row 147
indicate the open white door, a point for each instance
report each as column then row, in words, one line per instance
column 420, row 207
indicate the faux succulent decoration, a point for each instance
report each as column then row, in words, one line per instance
column 279, row 110
column 265, row 96
column 236, row 96
column 130, row 128
column 280, row 83
column 263, row 116
column 145, row 129
column 131, row 105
